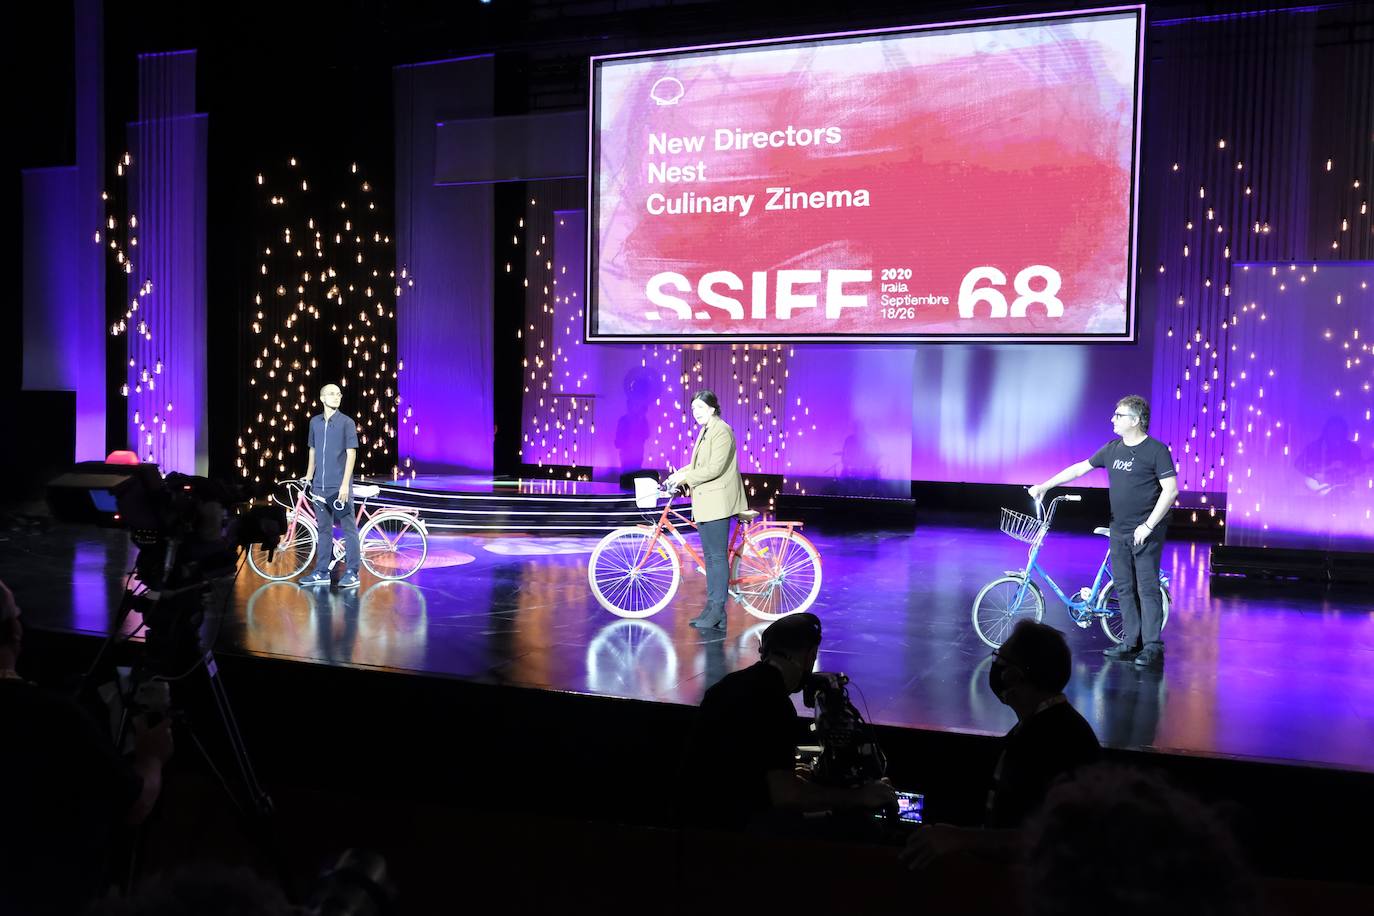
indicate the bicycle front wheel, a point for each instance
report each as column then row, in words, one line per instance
column 393, row 545
column 295, row 550
column 998, row 609
column 1109, row 605
column 776, row 572
column 634, row 572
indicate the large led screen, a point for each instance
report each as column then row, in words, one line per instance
column 968, row 181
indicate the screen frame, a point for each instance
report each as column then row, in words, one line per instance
column 1129, row 336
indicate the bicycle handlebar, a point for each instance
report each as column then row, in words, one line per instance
column 1043, row 512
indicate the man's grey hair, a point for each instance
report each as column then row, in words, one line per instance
column 1138, row 406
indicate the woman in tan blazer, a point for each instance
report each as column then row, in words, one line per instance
column 717, row 497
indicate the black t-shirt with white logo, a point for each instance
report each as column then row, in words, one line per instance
column 1134, row 473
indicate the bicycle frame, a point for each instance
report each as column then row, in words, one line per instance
column 305, row 503
column 1078, row 607
column 738, row 537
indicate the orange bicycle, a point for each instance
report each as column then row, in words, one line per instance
column 392, row 540
column 635, row 571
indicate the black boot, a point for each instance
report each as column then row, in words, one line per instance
column 709, row 619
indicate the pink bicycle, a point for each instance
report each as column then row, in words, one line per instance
column 393, row 540
column 636, row 571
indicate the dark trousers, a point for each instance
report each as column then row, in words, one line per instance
column 1135, row 573
column 345, row 518
column 715, row 543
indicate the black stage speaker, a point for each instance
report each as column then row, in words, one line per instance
column 48, row 421
column 627, row 480
column 1293, row 563
column 82, row 494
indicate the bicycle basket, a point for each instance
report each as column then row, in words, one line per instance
column 646, row 493
column 1023, row 527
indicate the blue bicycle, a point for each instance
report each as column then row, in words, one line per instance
column 1016, row 595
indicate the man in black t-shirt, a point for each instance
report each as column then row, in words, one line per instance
column 1049, row 742
column 741, row 764
column 1050, row 739
column 1142, row 485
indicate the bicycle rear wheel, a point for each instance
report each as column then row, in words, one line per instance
column 634, row 572
column 776, row 572
column 997, row 609
column 393, row 545
column 1110, row 606
column 295, row 550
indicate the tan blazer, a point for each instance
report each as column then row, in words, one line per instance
column 717, row 490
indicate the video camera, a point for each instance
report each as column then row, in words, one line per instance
column 184, row 545
column 190, row 513
column 850, row 754
column 188, row 531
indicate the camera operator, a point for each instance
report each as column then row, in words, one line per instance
column 67, row 790
column 741, row 765
column 1050, row 740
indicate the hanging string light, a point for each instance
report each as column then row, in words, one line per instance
column 147, row 408
column 324, row 310
column 559, row 417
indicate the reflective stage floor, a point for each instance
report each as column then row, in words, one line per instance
column 1271, row 671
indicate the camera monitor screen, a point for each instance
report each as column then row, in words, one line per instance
column 910, row 807
column 965, row 181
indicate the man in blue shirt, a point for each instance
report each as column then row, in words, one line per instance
column 333, row 450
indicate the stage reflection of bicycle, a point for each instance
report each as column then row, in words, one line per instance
column 635, row 572
column 393, row 540
column 280, row 618
column 634, row 658
column 1016, row 595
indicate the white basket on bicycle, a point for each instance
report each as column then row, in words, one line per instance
column 646, row 493
column 1023, row 527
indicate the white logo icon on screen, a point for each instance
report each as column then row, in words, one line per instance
column 667, row 91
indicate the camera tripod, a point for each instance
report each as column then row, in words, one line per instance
column 173, row 652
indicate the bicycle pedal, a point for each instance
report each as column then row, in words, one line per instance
column 1084, row 623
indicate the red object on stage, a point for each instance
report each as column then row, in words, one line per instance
column 122, row 456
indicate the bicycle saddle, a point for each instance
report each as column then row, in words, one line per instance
column 366, row 491
column 1105, row 532
column 748, row 515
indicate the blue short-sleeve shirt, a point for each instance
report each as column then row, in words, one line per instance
column 331, row 439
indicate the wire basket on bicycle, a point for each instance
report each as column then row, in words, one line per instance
column 1024, row 527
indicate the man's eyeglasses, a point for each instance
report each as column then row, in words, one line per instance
column 1124, row 416
column 998, row 657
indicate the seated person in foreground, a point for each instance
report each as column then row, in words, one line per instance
column 741, row 768
column 68, row 791
column 1151, row 848
column 1049, row 741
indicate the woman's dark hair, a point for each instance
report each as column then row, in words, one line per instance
column 708, row 397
